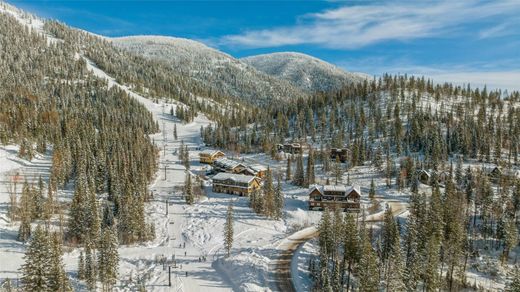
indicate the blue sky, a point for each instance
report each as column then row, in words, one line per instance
column 460, row 41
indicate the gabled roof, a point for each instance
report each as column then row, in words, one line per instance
column 424, row 171
column 335, row 188
column 357, row 189
column 258, row 167
column 240, row 178
column 227, row 163
column 210, row 152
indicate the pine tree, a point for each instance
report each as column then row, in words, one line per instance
column 24, row 232
column 299, row 175
column 395, row 274
column 309, row 178
column 175, row 131
column 58, row 279
column 279, row 200
column 510, row 237
column 269, row 195
column 368, row 268
column 228, row 230
column 108, row 259
column 288, row 170
column 37, row 267
column 81, row 266
column 350, row 246
column 90, row 266
column 188, row 189
column 514, row 285
column 372, row 192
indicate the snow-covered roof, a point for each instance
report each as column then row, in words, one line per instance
column 227, row 163
column 357, row 189
column 240, row 178
column 209, row 152
column 335, row 188
column 424, row 171
column 258, row 167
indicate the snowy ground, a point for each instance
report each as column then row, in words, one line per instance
column 185, row 233
column 300, row 267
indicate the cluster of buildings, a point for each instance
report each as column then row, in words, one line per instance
column 441, row 177
column 233, row 177
column 238, row 178
column 293, row 148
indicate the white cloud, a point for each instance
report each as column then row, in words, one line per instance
column 356, row 26
column 509, row 80
column 477, row 75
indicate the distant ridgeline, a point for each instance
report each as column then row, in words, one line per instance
column 391, row 114
column 155, row 79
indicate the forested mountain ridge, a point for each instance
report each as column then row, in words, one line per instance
column 216, row 70
column 303, row 71
column 98, row 137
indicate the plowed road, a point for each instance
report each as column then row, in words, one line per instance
column 282, row 265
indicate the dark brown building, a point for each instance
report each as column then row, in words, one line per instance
column 346, row 198
column 341, row 153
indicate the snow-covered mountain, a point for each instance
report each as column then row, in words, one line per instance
column 306, row 72
column 215, row 69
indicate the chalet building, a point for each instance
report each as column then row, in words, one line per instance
column 210, row 156
column 497, row 172
column 258, row 170
column 341, row 153
column 424, row 176
column 293, row 148
column 335, row 196
column 228, row 165
column 235, row 184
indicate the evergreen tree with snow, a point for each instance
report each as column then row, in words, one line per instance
column 372, row 191
column 36, row 270
column 510, row 237
column 90, row 266
column 350, row 247
column 228, row 230
column 368, row 266
column 309, row 175
column 514, row 285
column 108, row 259
column 24, row 232
column 58, row 279
column 188, row 189
column 299, row 175
column 269, row 194
column 288, row 169
column 81, row 266
column 279, row 200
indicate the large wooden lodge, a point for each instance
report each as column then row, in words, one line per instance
column 235, row 184
column 210, row 156
column 347, row 198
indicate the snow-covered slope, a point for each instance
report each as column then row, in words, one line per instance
column 304, row 71
column 215, row 69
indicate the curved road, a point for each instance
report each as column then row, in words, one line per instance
column 282, row 266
